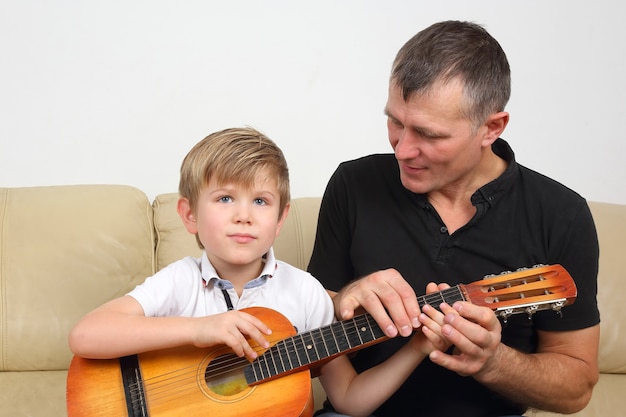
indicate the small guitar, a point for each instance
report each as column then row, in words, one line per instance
column 187, row 381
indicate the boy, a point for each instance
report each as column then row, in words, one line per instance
column 234, row 197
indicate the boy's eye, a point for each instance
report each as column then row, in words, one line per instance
column 225, row 199
column 259, row 201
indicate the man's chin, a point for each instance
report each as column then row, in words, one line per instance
column 416, row 187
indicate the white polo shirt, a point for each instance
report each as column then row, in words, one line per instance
column 191, row 288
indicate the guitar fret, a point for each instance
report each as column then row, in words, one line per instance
column 449, row 296
column 303, row 349
column 330, row 340
column 265, row 368
column 375, row 329
column 295, row 351
column 339, row 334
column 320, row 345
column 309, row 347
column 352, row 335
column 274, row 368
column 256, row 367
column 281, row 356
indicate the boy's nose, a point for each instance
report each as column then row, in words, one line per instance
column 242, row 215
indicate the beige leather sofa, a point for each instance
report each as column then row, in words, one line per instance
column 66, row 249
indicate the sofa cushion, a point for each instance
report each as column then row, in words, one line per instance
column 173, row 242
column 63, row 251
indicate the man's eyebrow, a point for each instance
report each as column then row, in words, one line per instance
column 422, row 131
column 427, row 133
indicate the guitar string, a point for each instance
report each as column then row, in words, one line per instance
column 231, row 362
column 167, row 385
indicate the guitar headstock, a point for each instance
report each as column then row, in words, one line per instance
column 526, row 290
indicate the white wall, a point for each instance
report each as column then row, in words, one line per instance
column 118, row 91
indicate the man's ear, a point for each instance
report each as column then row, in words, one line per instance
column 495, row 124
column 282, row 219
column 187, row 215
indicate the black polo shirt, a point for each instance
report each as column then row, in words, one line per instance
column 368, row 221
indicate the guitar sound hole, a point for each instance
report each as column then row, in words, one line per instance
column 224, row 375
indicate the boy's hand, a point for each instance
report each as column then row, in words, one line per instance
column 232, row 329
column 430, row 336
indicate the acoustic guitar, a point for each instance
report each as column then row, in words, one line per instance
column 189, row 381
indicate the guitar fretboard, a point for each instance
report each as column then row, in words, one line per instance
column 304, row 349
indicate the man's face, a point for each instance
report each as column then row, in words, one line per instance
column 436, row 147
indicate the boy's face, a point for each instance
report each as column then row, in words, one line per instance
column 236, row 225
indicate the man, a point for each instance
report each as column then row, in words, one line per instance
column 452, row 205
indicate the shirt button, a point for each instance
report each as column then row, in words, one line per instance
column 443, row 229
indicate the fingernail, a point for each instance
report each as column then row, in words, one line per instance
column 391, row 331
column 406, row 330
column 416, row 322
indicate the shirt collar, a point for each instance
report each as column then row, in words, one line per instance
column 491, row 192
column 210, row 276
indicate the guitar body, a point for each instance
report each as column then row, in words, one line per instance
column 189, row 381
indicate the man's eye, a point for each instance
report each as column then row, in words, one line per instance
column 395, row 123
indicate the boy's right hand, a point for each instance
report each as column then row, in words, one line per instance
column 233, row 329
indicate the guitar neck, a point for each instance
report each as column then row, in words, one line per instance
column 309, row 348
column 527, row 290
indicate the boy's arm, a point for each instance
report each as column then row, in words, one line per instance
column 361, row 394
column 119, row 328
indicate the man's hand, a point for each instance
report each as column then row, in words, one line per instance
column 476, row 333
column 387, row 297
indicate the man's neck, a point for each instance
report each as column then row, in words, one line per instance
column 454, row 204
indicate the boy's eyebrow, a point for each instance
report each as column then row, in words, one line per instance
column 229, row 189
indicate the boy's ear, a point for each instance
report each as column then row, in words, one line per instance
column 282, row 219
column 187, row 216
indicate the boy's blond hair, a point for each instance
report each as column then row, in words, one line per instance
column 238, row 156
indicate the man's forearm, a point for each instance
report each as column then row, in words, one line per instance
column 548, row 381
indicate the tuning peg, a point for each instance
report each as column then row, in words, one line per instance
column 505, row 314
column 557, row 308
column 530, row 310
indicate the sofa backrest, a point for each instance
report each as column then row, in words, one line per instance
column 294, row 245
column 67, row 249
column 63, row 251
column 610, row 220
